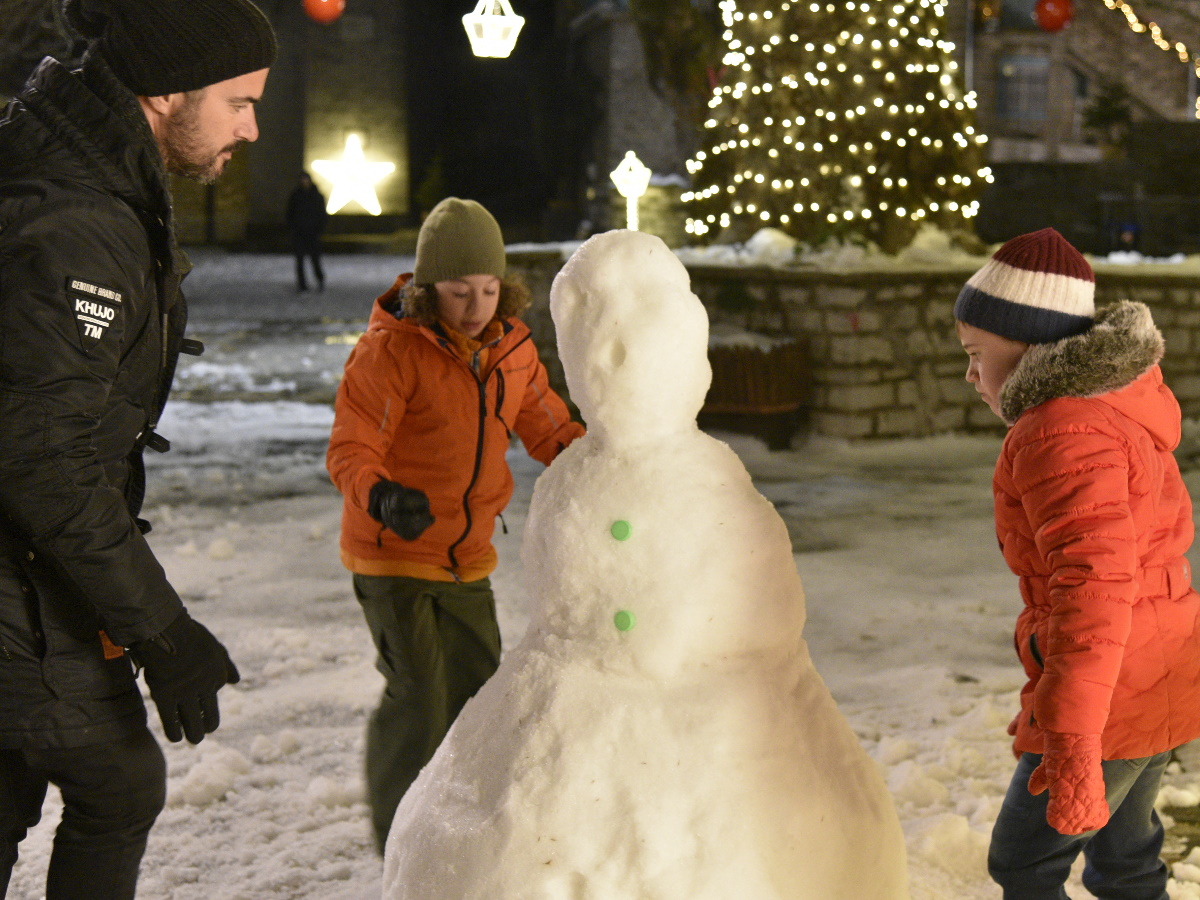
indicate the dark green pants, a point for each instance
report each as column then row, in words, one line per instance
column 438, row 643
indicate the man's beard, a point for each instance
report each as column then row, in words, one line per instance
column 184, row 151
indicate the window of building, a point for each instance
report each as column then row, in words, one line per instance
column 1017, row 15
column 1021, row 84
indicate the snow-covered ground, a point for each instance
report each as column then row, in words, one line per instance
column 910, row 611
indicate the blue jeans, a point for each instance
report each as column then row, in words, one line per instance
column 1032, row 861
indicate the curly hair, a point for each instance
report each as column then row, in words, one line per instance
column 420, row 300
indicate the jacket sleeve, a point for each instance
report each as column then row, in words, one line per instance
column 1074, row 487
column 368, row 409
column 73, row 298
column 544, row 423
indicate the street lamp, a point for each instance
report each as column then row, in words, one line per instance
column 493, row 28
column 631, row 178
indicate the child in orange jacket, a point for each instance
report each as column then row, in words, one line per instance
column 444, row 375
column 1093, row 517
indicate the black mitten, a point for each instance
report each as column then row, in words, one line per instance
column 185, row 667
column 403, row 510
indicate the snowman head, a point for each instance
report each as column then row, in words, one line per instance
column 632, row 337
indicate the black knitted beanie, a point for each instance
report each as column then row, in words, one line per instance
column 158, row 47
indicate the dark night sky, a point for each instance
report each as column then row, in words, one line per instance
column 503, row 128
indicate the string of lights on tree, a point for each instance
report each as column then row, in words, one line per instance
column 837, row 120
column 1160, row 39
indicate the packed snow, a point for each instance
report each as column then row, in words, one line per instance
column 660, row 730
column 931, row 248
column 909, row 614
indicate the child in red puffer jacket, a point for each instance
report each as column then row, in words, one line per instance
column 1094, row 519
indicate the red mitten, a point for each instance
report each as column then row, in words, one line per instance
column 1071, row 770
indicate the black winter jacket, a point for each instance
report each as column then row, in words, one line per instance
column 91, row 324
column 306, row 214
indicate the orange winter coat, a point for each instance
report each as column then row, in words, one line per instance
column 412, row 409
column 1094, row 518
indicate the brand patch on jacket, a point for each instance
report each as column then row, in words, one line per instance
column 95, row 308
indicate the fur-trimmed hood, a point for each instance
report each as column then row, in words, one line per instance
column 1120, row 348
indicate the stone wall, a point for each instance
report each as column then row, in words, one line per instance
column 882, row 351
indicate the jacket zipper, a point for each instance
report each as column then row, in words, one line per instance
column 482, row 384
column 475, row 474
column 500, row 390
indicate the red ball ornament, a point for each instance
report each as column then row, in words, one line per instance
column 324, row 11
column 1052, row 15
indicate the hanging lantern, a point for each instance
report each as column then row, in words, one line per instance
column 1053, row 15
column 324, row 11
column 493, row 28
column 631, row 178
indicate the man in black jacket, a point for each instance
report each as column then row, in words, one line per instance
column 306, row 217
column 91, row 325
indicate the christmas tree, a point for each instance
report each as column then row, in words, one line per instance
column 840, row 120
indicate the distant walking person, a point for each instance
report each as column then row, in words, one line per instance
column 91, row 326
column 306, row 220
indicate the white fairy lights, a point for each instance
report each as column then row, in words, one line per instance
column 1161, row 41
column 835, row 118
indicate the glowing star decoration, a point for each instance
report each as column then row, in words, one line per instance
column 353, row 177
column 493, row 28
column 631, row 178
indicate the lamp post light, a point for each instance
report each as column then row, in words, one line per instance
column 631, row 178
column 493, row 28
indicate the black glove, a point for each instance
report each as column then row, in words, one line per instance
column 403, row 510
column 185, row 667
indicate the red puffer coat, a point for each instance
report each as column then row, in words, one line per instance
column 1094, row 518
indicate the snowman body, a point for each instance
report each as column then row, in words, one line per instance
column 660, row 732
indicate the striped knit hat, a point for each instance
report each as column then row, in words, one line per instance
column 1036, row 288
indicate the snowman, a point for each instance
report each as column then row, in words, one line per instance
column 660, row 732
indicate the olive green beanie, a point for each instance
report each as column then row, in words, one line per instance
column 458, row 238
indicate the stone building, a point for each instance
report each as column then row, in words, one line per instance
column 328, row 82
column 401, row 76
column 1035, row 87
column 1093, row 127
column 629, row 115
column 1127, row 184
